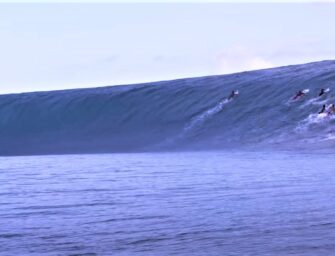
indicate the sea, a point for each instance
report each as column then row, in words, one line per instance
column 227, row 202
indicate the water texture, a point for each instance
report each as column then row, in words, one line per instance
column 184, row 114
column 200, row 203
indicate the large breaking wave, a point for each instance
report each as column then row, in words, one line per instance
column 184, row 114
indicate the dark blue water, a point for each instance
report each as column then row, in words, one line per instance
column 185, row 114
column 204, row 203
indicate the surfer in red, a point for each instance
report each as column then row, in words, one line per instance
column 299, row 94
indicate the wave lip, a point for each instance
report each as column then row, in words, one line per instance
column 183, row 114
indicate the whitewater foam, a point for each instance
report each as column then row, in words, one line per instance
column 200, row 119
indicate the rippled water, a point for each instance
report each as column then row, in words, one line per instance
column 204, row 203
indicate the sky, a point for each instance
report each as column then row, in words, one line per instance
column 58, row 46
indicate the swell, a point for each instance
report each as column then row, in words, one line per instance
column 184, row 114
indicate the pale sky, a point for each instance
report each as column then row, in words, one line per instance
column 58, row 46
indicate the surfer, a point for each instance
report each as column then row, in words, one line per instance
column 323, row 110
column 331, row 109
column 233, row 94
column 300, row 94
column 322, row 92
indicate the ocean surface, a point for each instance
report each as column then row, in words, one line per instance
column 187, row 203
column 185, row 114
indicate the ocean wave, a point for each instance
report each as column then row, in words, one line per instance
column 184, row 114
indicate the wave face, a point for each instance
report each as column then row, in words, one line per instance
column 184, row 114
